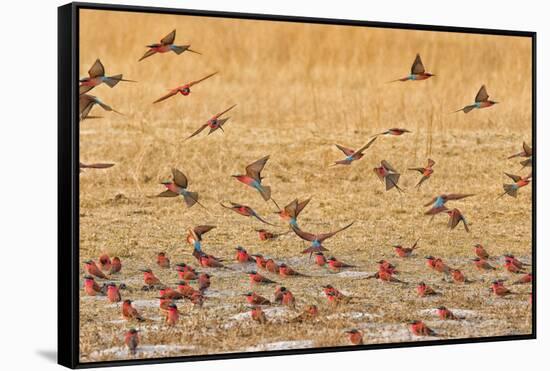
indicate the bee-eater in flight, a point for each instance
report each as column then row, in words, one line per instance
column 244, row 211
column 393, row 131
column 194, row 235
column 425, row 171
column 526, row 151
column 253, row 177
column 438, row 202
column 86, row 102
column 96, row 76
column 519, row 181
column 184, row 89
column 291, row 211
column 481, row 101
column 418, row 72
column 455, row 217
column 167, row 45
column 387, row 174
column 351, row 154
column 316, row 239
column 214, row 123
column 178, row 187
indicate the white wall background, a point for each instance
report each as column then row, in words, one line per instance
column 28, row 155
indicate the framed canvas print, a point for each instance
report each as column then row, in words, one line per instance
column 241, row 185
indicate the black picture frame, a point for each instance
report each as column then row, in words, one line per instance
column 68, row 181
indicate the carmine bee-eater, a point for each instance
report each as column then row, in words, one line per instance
column 149, row 278
column 320, row 259
column 418, row 72
column 526, row 163
column 96, row 76
column 167, row 45
column 278, row 294
column 425, row 171
column 204, row 282
column 178, row 187
column 255, row 299
column 526, row 151
column 104, row 263
column 256, row 278
column 242, row 255
column 253, row 177
column 525, row 279
column 288, row 298
column 171, row 294
column 481, row 101
column 271, row 266
column 91, row 287
column 258, row 315
column 184, row 289
column 405, row 252
column 458, row 277
column 130, row 313
column 162, row 260
column 481, row 252
column 438, row 202
column 316, row 239
column 384, row 276
column 97, row 165
column 336, row 265
column 387, row 174
column 512, row 268
column 512, row 259
column 310, row 312
column 498, row 289
column 455, row 217
column 519, row 181
column 351, row 154
column 173, row 315
column 336, row 300
column 208, row 261
column 92, row 269
column 419, row 328
column 113, row 295
column 355, row 336
column 197, row 299
column 244, row 211
column 394, row 132
column 286, row 271
column 482, row 264
column 86, row 102
column 386, row 266
column 446, row 314
column 184, row 89
column 424, row 290
column 260, row 260
column 214, row 123
column 437, row 264
column 131, row 339
column 194, row 235
column 116, row 265
column 265, row 235
column 186, row 272
column 291, row 211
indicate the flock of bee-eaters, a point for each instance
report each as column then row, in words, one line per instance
column 187, row 275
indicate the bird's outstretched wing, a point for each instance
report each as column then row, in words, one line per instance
column 303, row 235
column 179, row 178
column 97, row 69
column 202, row 229
column 164, row 97
column 482, row 95
column 147, row 54
column 167, row 193
column 417, row 66
column 204, row 78
column 196, row 132
column 324, row 236
column 347, row 151
column 169, row 39
column 515, row 178
column 387, row 166
column 254, row 169
column 360, row 150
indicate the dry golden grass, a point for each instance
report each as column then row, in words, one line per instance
column 300, row 89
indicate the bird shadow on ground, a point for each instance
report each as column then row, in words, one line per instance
column 50, row 355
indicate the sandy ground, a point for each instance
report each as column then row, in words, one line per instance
column 300, row 89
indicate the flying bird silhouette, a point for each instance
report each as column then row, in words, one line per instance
column 316, row 239
column 97, row 165
column 455, row 217
column 183, row 89
column 167, row 45
column 481, row 101
column 425, row 171
column 352, row 155
column 86, row 102
column 418, row 72
column 253, row 177
column 214, row 123
column 244, row 211
column 519, row 182
column 393, row 131
column 96, row 76
column 291, row 211
column 178, row 187
column 387, row 174
column 438, row 202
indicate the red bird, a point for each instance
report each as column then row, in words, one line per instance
column 418, row 72
column 498, row 288
column 441, row 267
column 96, row 76
column 455, row 217
column 197, row 299
column 445, row 313
column 387, row 174
column 336, row 300
column 244, row 211
column 130, row 313
column 204, row 282
column 149, row 277
column 214, row 123
column 184, row 89
column 256, row 278
column 162, row 260
column 458, row 276
column 286, row 271
column 512, row 259
column 185, row 289
column 92, row 269
column 393, row 131
column 386, row 266
column 253, row 177
column 355, row 336
column 104, row 263
column 310, row 312
column 527, row 278
column 424, row 290
column 209, row 261
column 482, row 264
column 169, row 293
column 173, row 315
column 166, row 45
column 278, row 294
column 177, row 186
column 242, row 256
column 265, row 235
column 288, row 298
column 351, row 154
column 425, row 171
column 405, row 252
column 481, row 252
column 255, row 299
column 260, row 260
column 186, row 272
column 112, row 293
column 512, row 268
column 271, row 266
column 316, row 239
column 519, row 182
column 385, row 276
column 336, row 265
column 131, row 339
column 419, row 328
column 116, row 265
column 91, row 287
column 258, row 315
column 291, row 211
column 320, row 259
